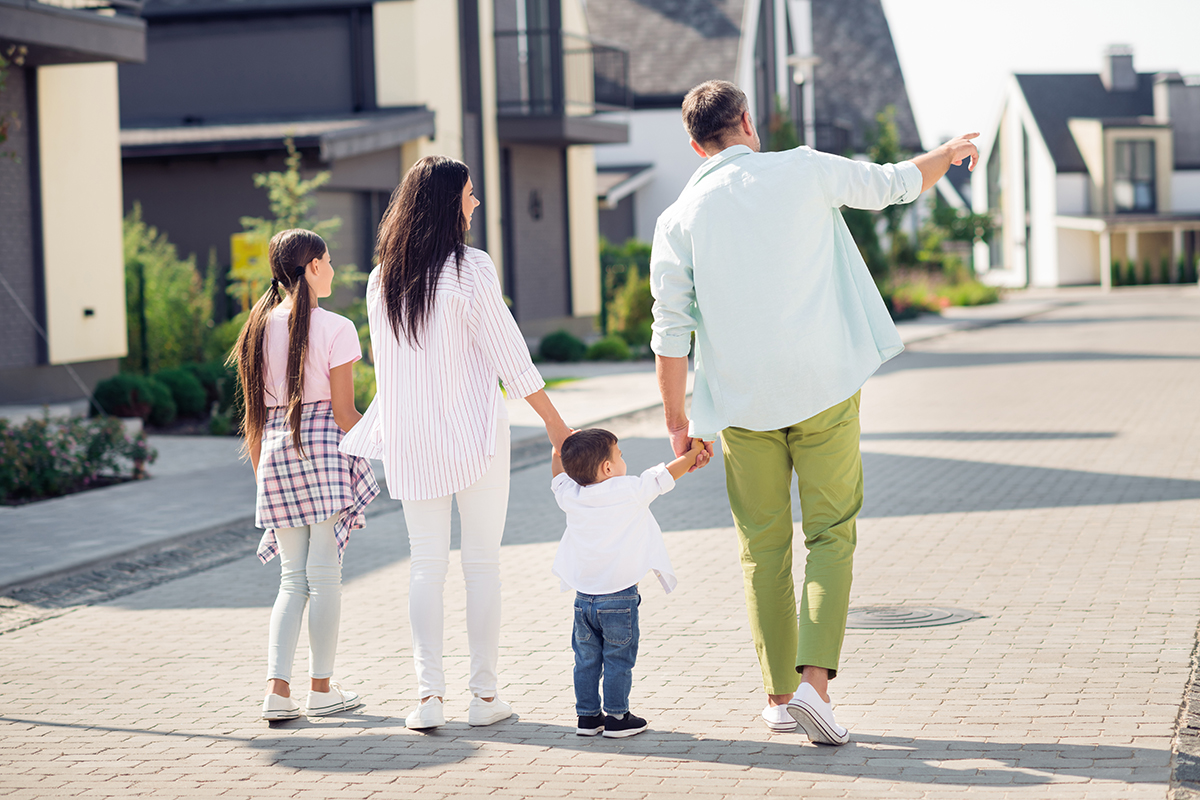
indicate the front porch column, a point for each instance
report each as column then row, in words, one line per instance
column 1176, row 252
column 1106, row 260
column 1131, row 246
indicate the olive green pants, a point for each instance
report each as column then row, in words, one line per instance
column 823, row 451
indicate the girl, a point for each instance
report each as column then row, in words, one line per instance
column 295, row 361
column 442, row 336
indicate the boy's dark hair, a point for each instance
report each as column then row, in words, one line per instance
column 584, row 451
column 711, row 110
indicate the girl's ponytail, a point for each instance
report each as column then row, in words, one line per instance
column 247, row 356
column 289, row 253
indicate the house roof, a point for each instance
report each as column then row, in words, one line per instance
column 616, row 182
column 1054, row 99
column 158, row 9
column 676, row 44
column 673, row 44
column 337, row 137
column 858, row 74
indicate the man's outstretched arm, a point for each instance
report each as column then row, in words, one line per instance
column 672, row 385
column 936, row 162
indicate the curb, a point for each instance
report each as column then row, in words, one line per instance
column 1185, row 745
column 526, row 453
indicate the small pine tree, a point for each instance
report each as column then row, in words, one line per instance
column 292, row 204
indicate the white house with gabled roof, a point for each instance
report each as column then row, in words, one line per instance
column 1084, row 170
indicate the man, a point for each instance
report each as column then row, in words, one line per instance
column 755, row 259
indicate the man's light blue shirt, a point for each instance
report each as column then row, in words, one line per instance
column 755, row 258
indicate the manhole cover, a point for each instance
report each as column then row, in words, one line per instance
column 906, row 616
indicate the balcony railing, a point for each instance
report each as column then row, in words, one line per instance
column 551, row 73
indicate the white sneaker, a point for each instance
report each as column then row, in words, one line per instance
column 276, row 707
column 331, row 702
column 816, row 717
column 482, row 712
column 426, row 715
column 778, row 719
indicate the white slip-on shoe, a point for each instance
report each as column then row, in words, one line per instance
column 778, row 719
column 429, row 714
column 331, row 702
column 277, row 707
column 482, row 712
column 816, row 717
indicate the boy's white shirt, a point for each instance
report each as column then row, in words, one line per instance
column 612, row 539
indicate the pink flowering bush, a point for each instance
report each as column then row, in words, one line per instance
column 43, row 458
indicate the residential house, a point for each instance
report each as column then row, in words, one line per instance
column 828, row 66
column 365, row 89
column 62, row 271
column 1086, row 169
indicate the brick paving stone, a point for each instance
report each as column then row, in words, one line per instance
column 1045, row 474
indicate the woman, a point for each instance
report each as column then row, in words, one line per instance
column 443, row 339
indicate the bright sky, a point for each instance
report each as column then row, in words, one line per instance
column 956, row 56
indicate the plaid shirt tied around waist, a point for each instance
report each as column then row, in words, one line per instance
column 295, row 491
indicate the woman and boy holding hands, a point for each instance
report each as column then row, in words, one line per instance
column 781, row 392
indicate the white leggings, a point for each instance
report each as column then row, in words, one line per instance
column 310, row 572
column 482, row 507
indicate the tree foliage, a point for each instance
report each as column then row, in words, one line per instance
column 166, row 294
column 293, row 203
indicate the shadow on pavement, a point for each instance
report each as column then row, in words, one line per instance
column 393, row 748
column 985, row 436
column 949, row 360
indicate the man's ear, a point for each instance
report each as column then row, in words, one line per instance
column 747, row 123
column 699, row 150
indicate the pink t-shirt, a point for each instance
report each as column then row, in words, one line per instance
column 332, row 342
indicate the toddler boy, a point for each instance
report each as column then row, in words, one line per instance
column 611, row 541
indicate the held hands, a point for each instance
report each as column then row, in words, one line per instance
column 683, row 445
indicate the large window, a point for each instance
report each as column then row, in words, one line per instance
column 1133, row 177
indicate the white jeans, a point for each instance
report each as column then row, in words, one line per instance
column 482, row 507
column 311, row 572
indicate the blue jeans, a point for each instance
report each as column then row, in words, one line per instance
column 605, row 641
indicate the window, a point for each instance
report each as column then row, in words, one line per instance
column 1133, row 177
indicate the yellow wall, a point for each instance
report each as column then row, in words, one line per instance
column 416, row 63
column 80, row 157
column 584, row 231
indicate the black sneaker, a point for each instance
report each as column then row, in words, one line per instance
column 629, row 725
column 590, row 726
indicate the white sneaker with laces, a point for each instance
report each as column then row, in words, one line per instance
column 429, row 714
column 331, row 702
column 482, row 712
column 277, row 707
column 778, row 719
column 816, row 717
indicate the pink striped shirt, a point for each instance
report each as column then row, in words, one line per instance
column 433, row 419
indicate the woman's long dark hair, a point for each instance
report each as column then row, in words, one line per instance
column 422, row 227
column 289, row 253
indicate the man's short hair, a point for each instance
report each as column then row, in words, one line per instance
column 712, row 110
column 584, row 452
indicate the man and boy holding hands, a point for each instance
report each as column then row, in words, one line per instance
column 754, row 261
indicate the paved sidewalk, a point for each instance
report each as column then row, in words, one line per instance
column 200, row 485
column 1045, row 474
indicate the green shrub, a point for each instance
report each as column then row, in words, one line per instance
column 124, row 395
column 364, row 384
column 51, row 457
column 631, row 312
column 223, row 337
column 970, row 293
column 562, row 346
column 162, row 404
column 610, row 348
column 186, row 392
column 212, row 376
column 1188, row 269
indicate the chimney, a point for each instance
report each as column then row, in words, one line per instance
column 1118, row 74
